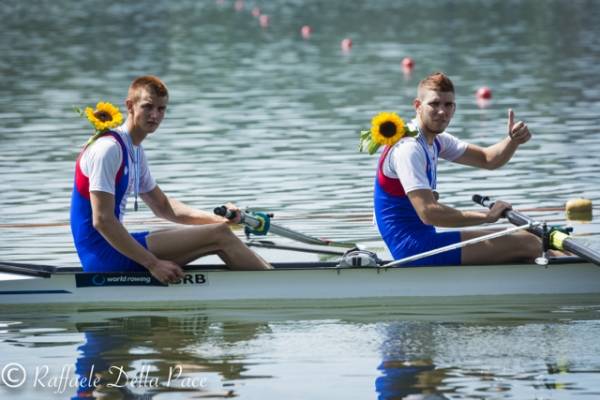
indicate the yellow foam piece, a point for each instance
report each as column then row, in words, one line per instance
column 579, row 210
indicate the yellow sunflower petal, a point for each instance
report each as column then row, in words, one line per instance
column 387, row 128
column 89, row 112
column 106, row 116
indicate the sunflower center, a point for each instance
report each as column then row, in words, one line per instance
column 102, row 115
column 388, row 129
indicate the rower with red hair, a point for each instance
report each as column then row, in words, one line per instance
column 407, row 206
column 110, row 168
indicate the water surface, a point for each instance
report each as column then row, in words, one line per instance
column 269, row 120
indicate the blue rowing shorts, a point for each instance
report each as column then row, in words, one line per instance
column 102, row 257
column 427, row 242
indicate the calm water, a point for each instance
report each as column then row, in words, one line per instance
column 267, row 119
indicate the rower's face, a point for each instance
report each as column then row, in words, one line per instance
column 435, row 110
column 148, row 111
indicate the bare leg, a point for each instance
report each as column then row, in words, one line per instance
column 516, row 247
column 183, row 245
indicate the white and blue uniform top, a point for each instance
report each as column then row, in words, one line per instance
column 100, row 163
column 408, row 159
column 409, row 165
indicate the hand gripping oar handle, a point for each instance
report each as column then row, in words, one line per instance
column 262, row 224
column 515, row 217
column 557, row 239
column 257, row 224
column 224, row 212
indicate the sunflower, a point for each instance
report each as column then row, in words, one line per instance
column 104, row 117
column 387, row 128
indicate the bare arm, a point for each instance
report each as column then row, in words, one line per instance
column 105, row 222
column 175, row 211
column 499, row 154
column 431, row 212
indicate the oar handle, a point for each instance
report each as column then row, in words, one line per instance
column 482, row 200
column 225, row 212
column 488, row 203
column 245, row 219
column 513, row 216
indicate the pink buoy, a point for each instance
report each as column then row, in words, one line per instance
column 408, row 63
column 305, row 31
column 255, row 12
column 346, row 44
column 484, row 93
column 263, row 20
column 483, row 103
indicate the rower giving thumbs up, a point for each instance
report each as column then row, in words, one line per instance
column 518, row 132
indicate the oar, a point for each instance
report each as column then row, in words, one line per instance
column 271, row 245
column 458, row 245
column 350, row 217
column 556, row 239
column 261, row 223
column 40, row 271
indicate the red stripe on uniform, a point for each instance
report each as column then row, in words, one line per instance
column 391, row 186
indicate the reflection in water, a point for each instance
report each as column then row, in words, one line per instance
column 404, row 378
column 140, row 357
column 296, row 353
column 407, row 366
column 134, row 356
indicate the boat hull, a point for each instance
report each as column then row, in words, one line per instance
column 202, row 285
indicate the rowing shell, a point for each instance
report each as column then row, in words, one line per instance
column 295, row 281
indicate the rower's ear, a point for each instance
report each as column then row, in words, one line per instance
column 417, row 103
column 129, row 105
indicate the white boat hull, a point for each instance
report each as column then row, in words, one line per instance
column 206, row 285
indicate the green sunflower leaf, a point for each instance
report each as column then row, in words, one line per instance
column 373, row 147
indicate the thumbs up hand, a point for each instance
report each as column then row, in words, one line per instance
column 518, row 132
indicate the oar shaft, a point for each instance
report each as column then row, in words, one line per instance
column 558, row 240
column 562, row 241
column 458, row 245
column 281, row 231
column 256, row 223
column 266, row 245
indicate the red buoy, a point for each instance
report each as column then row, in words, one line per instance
column 346, row 44
column 484, row 93
column 408, row 63
column 305, row 31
